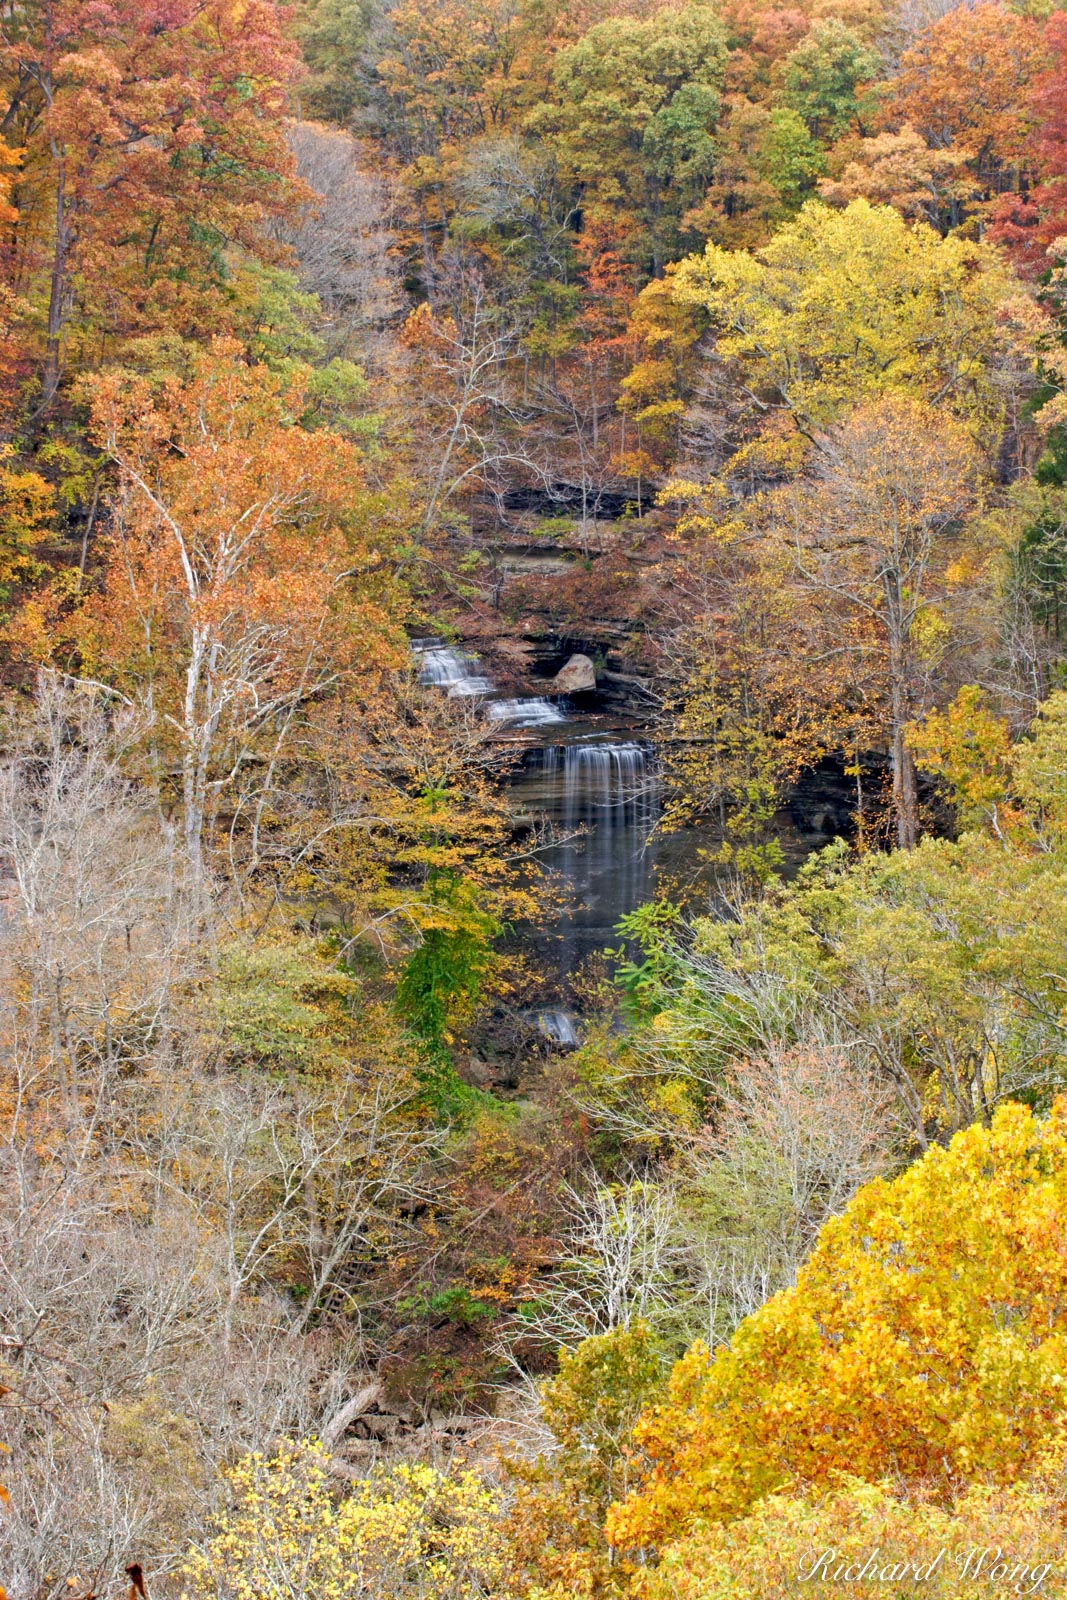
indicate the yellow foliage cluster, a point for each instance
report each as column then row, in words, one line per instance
column 405, row 1530
column 925, row 1339
column 845, row 306
column 863, row 1539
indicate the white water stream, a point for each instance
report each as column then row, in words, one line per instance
column 600, row 797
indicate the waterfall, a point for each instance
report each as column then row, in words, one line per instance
column 448, row 669
column 600, row 796
column 606, row 792
column 441, row 666
column 559, row 1028
column 526, row 713
column 603, row 801
column 604, row 785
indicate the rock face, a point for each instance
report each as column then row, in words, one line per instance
column 577, row 677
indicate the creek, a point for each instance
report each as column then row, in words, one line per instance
column 589, row 784
column 594, row 790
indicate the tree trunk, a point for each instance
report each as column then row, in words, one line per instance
column 905, row 792
column 58, row 289
column 905, row 795
column 193, row 764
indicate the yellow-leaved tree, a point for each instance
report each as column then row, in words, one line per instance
column 846, row 306
column 866, row 363
column 405, row 1530
column 925, row 1342
column 861, row 1539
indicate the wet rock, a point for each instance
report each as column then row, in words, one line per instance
column 578, row 676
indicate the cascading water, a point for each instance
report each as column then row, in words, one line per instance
column 448, row 669
column 558, row 1027
column 441, row 666
column 602, row 799
column 526, row 713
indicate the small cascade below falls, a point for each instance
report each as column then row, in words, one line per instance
column 445, row 668
column 558, row 1028
column 525, row 713
column 602, row 799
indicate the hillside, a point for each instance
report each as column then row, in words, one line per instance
column 533, row 828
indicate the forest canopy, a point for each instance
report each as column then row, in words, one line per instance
column 533, row 816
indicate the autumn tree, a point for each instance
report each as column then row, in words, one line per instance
column 848, row 305
column 757, row 696
column 154, row 148
column 767, row 165
column 902, row 170
column 967, row 746
column 219, row 1139
column 446, row 78
column 556, row 1523
column 27, row 513
column 631, row 121
column 811, row 326
column 882, row 1361
column 824, row 78
column 332, row 35
column 11, row 308
column 238, row 588
column 1034, row 612
column 512, row 211
column 406, row 1529
column 459, row 361
column 762, row 36
column 876, row 534
column 1030, row 223
column 990, row 1535
column 340, row 240
column 965, row 86
column 935, row 961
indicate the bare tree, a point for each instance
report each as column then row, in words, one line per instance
column 796, row 1132
column 92, row 937
column 297, row 1176
column 157, row 1210
column 620, row 1264
column 341, row 243
column 460, row 362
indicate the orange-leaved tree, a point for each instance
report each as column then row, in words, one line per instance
column 965, row 86
column 240, row 586
column 1032, row 222
column 154, row 147
column 925, row 1342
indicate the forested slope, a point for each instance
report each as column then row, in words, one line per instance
column 533, row 816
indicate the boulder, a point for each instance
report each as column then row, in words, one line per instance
column 577, row 677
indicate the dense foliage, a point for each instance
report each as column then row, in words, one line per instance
column 710, row 351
